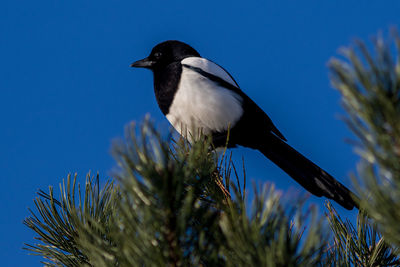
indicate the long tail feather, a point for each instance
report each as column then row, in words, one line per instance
column 306, row 173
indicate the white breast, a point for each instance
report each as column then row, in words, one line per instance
column 201, row 104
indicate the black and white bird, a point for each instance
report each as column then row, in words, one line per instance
column 195, row 93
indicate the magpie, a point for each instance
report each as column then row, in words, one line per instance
column 194, row 93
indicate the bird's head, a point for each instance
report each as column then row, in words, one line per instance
column 166, row 53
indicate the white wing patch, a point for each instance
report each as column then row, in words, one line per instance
column 210, row 67
column 201, row 104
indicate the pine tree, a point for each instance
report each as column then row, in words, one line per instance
column 171, row 203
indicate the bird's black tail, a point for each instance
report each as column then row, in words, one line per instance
column 306, row 173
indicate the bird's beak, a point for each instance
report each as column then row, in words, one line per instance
column 143, row 63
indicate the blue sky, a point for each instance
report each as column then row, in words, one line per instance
column 66, row 89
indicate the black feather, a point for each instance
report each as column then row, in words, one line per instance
column 305, row 172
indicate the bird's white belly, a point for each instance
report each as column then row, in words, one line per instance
column 200, row 105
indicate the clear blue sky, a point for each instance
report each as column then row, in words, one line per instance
column 66, row 89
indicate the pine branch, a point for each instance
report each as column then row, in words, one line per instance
column 360, row 245
column 272, row 233
column 370, row 85
column 59, row 222
column 174, row 206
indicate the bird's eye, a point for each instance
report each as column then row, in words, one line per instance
column 157, row 55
